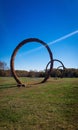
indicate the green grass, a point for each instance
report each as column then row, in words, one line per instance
column 49, row 106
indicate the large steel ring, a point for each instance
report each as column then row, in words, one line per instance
column 15, row 52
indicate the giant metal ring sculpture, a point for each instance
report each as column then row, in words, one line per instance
column 15, row 52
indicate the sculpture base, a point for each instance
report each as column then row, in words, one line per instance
column 21, row 85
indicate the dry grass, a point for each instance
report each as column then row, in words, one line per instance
column 49, row 106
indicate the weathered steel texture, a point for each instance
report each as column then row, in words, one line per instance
column 15, row 52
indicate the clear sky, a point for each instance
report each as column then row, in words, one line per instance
column 47, row 20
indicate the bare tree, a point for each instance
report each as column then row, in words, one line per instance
column 3, row 66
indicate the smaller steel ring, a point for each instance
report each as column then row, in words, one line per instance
column 53, row 62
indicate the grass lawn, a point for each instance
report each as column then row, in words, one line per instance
column 49, row 106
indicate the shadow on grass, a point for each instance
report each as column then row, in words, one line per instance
column 7, row 86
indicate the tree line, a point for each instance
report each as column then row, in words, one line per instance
column 68, row 72
column 54, row 73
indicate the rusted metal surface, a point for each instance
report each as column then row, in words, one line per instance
column 15, row 52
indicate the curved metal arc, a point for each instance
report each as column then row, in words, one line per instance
column 59, row 67
column 60, row 62
column 53, row 62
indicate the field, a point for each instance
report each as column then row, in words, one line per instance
column 49, row 106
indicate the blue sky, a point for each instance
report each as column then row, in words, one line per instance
column 47, row 20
